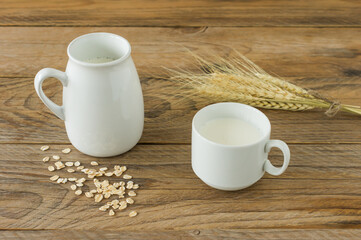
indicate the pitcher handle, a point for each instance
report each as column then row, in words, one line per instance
column 38, row 83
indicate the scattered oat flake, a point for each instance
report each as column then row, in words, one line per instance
column 133, row 214
column 69, row 164
column 98, row 197
column 66, row 150
column 129, row 200
column 80, row 168
column 60, row 180
column 126, row 176
column 73, row 187
column 111, row 212
column 105, row 183
column 78, row 192
column 97, row 184
column 80, row 184
column 108, row 174
column 89, row 194
column 94, row 163
column 82, row 180
column 54, row 178
column 56, row 157
column 92, row 175
column 51, row 168
column 77, row 164
column 65, row 180
column 44, row 148
column 70, row 170
column 120, row 193
column 130, row 184
column 72, row 179
column 132, row 194
column 46, row 159
column 123, row 168
column 123, row 205
column 59, row 165
column 104, row 208
column 135, row 186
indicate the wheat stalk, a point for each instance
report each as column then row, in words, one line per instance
column 240, row 80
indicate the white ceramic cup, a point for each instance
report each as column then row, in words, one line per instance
column 103, row 107
column 229, row 167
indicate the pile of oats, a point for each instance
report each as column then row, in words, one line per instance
column 123, row 190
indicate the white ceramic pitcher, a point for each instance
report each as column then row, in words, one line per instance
column 103, row 105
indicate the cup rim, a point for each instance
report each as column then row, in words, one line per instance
column 114, row 62
column 265, row 136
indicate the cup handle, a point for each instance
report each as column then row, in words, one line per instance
column 268, row 167
column 38, row 83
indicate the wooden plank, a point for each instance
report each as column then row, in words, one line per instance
column 20, row 92
column 288, row 52
column 25, row 119
column 180, row 13
column 255, row 234
column 319, row 190
column 20, row 125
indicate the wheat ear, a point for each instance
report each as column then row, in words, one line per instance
column 240, row 80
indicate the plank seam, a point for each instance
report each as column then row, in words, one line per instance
column 170, row 143
column 191, row 26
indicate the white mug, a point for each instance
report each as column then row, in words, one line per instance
column 103, row 107
column 234, row 167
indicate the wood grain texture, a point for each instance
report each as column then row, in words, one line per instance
column 25, row 119
column 318, row 190
column 326, row 60
column 314, row 44
column 180, row 13
column 245, row 234
column 288, row 52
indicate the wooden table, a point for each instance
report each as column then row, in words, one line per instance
column 315, row 44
